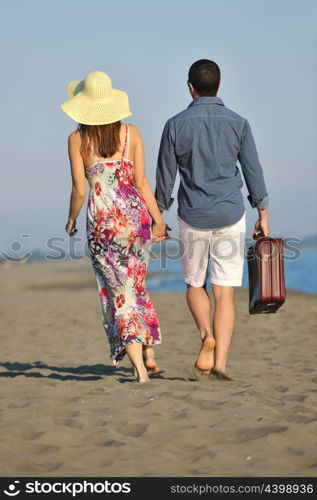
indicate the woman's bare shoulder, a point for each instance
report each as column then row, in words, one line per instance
column 74, row 137
column 135, row 133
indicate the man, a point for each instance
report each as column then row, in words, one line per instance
column 203, row 143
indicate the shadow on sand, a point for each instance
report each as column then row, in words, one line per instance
column 80, row 373
column 83, row 372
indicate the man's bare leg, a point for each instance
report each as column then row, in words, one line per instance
column 223, row 323
column 199, row 304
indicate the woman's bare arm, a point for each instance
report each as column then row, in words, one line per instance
column 78, row 192
column 142, row 185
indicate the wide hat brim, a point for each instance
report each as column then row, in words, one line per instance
column 88, row 111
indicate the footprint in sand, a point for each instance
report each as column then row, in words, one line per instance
column 298, row 398
column 29, row 435
column 293, row 451
column 205, row 471
column 18, row 405
column 243, row 435
column 212, row 405
column 71, row 422
column 104, row 423
column 133, row 430
column 54, row 467
column 70, row 399
column 47, row 448
column 207, row 456
column 281, row 388
column 111, row 443
column 140, row 404
column 181, row 416
column 75, row 414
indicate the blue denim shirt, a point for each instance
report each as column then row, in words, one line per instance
column 204, row 143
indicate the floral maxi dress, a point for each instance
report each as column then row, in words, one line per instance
column 119, row 237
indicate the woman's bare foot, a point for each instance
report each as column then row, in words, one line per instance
column 142, row 377
column 151, row 366
column 134, row 351
column 148, row 359
column 204, row 361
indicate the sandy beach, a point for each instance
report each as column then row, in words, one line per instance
column 67, row 412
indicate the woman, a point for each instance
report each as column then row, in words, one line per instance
column 110, row 156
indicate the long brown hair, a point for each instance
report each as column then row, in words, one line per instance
column 104, row 140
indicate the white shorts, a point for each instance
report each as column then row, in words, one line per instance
column 225, row 247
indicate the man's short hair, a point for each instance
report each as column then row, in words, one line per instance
column 204, row 75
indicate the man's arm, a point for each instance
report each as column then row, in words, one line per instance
column 252, row 170
column 166, row 169
column 253, row 175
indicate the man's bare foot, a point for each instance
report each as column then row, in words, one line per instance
column 204, row 362
column 219, row 375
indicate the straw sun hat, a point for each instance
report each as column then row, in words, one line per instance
column 93, row 101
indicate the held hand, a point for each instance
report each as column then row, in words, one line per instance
column 167, row 229
column 159, row 231
column 70, row 227
column 261, row 228
column 166, row 235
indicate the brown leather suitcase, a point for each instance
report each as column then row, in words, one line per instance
column 267, row 290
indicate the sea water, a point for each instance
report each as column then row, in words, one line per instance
column 166, row 274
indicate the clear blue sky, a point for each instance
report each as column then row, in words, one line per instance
column 267, row 54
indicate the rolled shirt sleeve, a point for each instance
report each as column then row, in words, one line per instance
column 264, row 203
column 252, row 170
column 166, row 168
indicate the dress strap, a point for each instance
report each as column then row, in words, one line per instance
column 126, row 141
